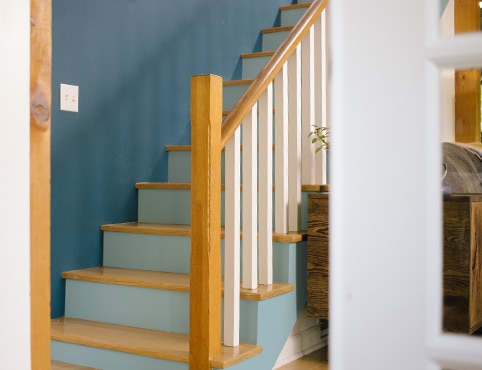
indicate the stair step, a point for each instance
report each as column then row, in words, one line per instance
column 164, row 280
column 185, row 230
column 295, row 6
column 290, row 14
column 57, row 365
column 276, row 29
column 187, row 186
column 143, row 342
column 253, row 63
column 272, row 38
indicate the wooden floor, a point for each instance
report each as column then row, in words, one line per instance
column 314, row 361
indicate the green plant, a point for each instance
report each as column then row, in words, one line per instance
column 319, row 135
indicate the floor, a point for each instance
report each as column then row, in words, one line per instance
column 314, row 361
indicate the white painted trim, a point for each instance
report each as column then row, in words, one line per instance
column 304, row 339
column 232, row 255
column 265, row 198
column 281, row 143
column 15, row 189
column 250, row 200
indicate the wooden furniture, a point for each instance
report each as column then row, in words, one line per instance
column 462, row 267
column 317, row 268
column 462, row 220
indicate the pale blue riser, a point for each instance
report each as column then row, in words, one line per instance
column 291, row 17
column 174, row 206
column 272, row 41
column 231, row 95
column 147, row 252
column 179, row 165
column 304, row 1
column 252, row 66
column 171, row 206
column 107, row 359
column 146, row 308
column 171, row 253
column 127, row 305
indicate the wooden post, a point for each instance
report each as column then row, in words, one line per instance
column 205, row 290
column 40, row 111
column 467, row 82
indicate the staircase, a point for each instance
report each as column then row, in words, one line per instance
column 133, row 312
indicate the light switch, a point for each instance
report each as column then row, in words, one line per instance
column 69, row 98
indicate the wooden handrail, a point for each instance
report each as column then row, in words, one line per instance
column 268, row 73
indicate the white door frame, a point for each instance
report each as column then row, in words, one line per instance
column 386, row 235
column 15, row 184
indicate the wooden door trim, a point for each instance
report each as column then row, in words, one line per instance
column 40, row 114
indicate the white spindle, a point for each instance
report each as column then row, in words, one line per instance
column 324, row 81
column 281, row 157
column 250, row 200
column 232, row 257
column 294, row 140
column 265, row 200
column 320, row 158
column 308, row 105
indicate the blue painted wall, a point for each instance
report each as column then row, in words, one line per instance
column 132, row 60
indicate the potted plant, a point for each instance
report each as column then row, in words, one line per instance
column 319, row 135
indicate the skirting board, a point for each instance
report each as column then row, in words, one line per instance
column 305, row 338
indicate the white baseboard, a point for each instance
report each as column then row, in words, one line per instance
column 305, row 338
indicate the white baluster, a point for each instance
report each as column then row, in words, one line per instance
column 294, row 140
column 232, row 259
column 281, row 157
column 308, row 105
column 265, row 200
column 320, row 91
column 250, row 200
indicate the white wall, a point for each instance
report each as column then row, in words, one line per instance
column 384, row 152
column 448, row 79
column 14, row 184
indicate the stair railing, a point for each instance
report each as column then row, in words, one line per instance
column 298, row 106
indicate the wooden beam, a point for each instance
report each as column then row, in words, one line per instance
column 467, row 82
column 205, row 286
column 40, row 111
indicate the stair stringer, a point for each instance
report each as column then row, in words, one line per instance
column 269, row 323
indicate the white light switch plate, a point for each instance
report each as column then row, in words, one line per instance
column 69, row 98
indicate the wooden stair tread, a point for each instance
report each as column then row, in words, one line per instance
column 144, row 342
column 58, row 365
column 276, row 29
column 185, row 230
column 187, row 186
column 165, row 281
column 237, row 82
column 258, row 54
column 295, row 6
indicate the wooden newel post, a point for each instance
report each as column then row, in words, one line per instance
column 205, row 290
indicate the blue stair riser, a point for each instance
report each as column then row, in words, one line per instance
column 272, row 41
column 232, row 93
column 128, row 305
column 252, row 66
column 108, row 359
column 148, row 308
column 292, row 16
column 174, row 206
column 142, row 251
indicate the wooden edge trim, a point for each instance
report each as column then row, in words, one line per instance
column 276, row 29
column 295, row 6
column 259, row 54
